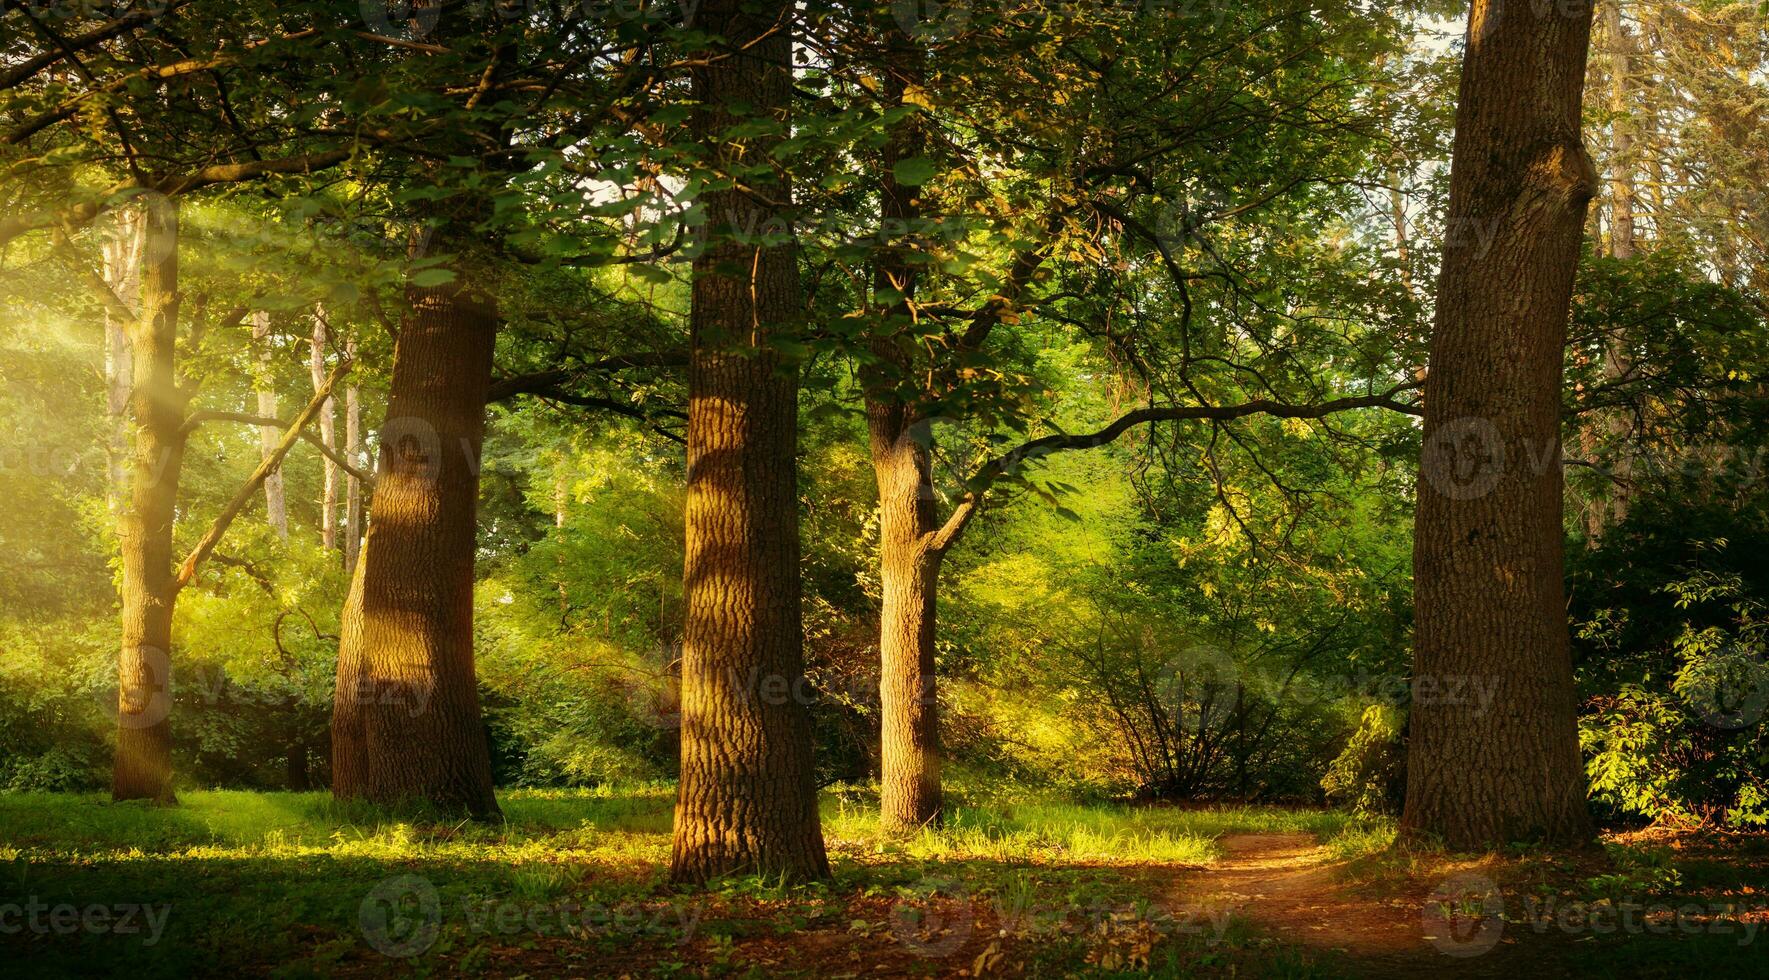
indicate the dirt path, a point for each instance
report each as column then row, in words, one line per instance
column 1287, row 886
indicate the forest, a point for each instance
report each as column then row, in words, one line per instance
column 884, row 488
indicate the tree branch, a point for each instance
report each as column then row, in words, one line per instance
column 986, row 475
column 188, row 570
column 221, row 173
column 198, row 418
column 80, row 42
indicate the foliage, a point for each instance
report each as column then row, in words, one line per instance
column 1671, row 653
column 1369, row 775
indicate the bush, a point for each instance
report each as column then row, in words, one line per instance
column 59, row 770
column 1672, row 663
column 1369, row 776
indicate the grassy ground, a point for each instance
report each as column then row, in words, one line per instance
column 291, row 885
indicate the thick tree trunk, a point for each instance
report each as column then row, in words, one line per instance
column 747, row 800
column 1490, row 600
column 406, row 724
column 276, row 506
column 328, row 509
column 143, row 763
column 909, row 576
column 353, row 512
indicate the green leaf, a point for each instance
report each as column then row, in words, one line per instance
column 914, row 171
column 427, row 278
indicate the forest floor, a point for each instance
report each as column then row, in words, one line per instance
column 292, row 885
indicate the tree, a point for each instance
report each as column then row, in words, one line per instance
column 1487, row 558
column 747, row 800
column 328, row 517
column 932, row 355
column 152, row 148
column 143, row 765
column 406, row 724
column 276, row 506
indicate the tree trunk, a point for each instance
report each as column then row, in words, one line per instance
column 406, row 724
column 909, row 576
column 1616, row 363
column 353, row 513
column 276, row 507
column 901, row 443
column 122, row 273
column 328, row 511
column 295, row 774
column 143, row 763
column 1489, row 594
column 747, row 800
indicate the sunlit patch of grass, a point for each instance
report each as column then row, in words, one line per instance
column 266, row 877
column 1048, row 830
column 1361, row 839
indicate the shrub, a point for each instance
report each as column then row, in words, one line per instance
column 1369, row 776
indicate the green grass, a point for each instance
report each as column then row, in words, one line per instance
column 256, row 883
column 572, row 883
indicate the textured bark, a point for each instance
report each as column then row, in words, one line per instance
column 143, row 764
column 353, row 512
column 406, row 724
column 909, row 577
column 747, row 800
column 901, row 444
column 276, row 506
column 328, row 506
column 1487, row 558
